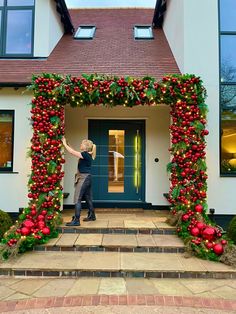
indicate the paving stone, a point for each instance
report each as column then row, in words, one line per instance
column 123, row 240
column 171, row 287
column 112, row 286
column 17, row 296
column 140, row 286
column 84, row 286
column 115, row 223
column 139, row 224
column 145, row 240
column 168, row 240
column 53, row 241
column 99, row 261
column 56, row 287
column 197, row 286
column 67, row 239
column 161, row 225
column 5, row 292
column 29, row 286
column 225, row 292
column 90, row 239
column 99, row 223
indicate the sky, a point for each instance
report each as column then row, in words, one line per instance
column 110, row 3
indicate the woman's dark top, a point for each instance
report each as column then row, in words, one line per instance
column 84, row 165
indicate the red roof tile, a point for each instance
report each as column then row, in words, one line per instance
column 112, row 51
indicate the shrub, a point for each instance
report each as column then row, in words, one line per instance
column 5, row 222
column 231, row 231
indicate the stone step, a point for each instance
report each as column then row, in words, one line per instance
column 113, row 264
column 120, row 227
column 114, row 242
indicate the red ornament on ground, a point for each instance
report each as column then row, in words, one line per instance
column 218, row 249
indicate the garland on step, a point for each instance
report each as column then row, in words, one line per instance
column 186, row 96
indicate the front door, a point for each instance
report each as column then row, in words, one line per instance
column 118, row 170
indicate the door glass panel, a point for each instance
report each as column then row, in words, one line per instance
column 116, row 161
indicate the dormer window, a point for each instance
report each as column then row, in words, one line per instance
column 143, row 32
column 16, row 28
column 85, row 32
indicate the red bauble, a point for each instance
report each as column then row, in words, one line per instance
column 25, row 231
column 199, row 208
column 28, row 223
column 209, row 233
column 218, row 249
column 224, row 242
column 40, row 217
column 209, row 245
column 195, row 231
column 46, row 231
column 200, row 225
column 185, row 217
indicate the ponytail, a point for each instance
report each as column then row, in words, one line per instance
column 90, row 147
column 94, row 149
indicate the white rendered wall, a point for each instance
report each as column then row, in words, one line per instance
column 13, row 186
column 201, row 57
column 157, row 144
column 48, row 28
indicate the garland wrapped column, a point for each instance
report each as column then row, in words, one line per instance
column 188, row 178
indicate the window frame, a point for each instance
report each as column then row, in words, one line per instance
column 135, row 29
column 12, row 112
column 93, row 31
column 225, row 83
column 3, row 31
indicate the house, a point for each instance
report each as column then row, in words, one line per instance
column 132, row 142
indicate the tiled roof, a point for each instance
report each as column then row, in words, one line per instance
column 112, row 51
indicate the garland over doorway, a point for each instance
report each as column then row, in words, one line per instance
column 186, row 96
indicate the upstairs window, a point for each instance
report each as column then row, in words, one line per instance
column 6, row 140
column 143, row 32
column 85, row 32
column 16, row 28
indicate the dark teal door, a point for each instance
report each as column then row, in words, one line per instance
column 118, row 170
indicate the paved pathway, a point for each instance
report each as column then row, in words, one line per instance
column 107, row 295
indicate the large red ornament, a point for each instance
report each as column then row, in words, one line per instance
column 209, row 233
column 218, row 249
column 195, row 231
column 25, row 231
column 200, row 225
column 199, row 208
column 46, row 231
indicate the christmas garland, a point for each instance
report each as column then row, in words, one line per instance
column 186, row 96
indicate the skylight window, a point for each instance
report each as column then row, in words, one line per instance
column 85, row 32
column 143, row 32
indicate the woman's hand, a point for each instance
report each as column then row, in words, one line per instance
column 63, row 141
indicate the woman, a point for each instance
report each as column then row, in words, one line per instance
column 83, row 180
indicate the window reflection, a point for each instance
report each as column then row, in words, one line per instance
column 228, row 132
column 227, row 15
column 6, row 140
column 19, row 31
column 20, row 3
column 116, row 161
column 228, row 60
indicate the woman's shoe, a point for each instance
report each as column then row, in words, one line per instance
column 74, row 222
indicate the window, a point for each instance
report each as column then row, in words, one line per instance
column 16, row 28
column 6, row 139
column 228, row 87
column 85, row 32
column 143, row 32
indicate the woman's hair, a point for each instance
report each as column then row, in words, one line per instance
column 90, row 147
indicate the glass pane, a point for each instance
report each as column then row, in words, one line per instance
column 228, row 132
column 20, row 3
column 143, row 32
column 6, row 128
column 19, row 32
column 1, row 2
column 85, row 32
column 116, row 168
column 227, row 15
column 228, row 60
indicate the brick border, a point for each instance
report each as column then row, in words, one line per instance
column 94, row 300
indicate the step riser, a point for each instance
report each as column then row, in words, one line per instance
column 111, row 249
column 121, row 274
column 117, row 231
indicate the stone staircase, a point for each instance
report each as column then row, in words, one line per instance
column 120, row 243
